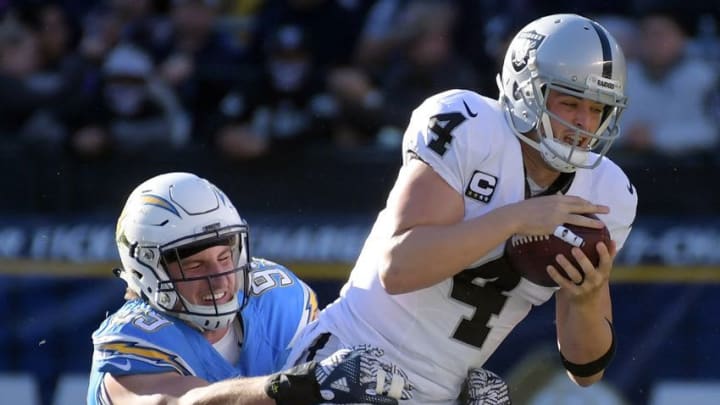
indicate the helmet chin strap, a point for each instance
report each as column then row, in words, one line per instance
column 202, row 317
column 551, row 150
column 558, row 155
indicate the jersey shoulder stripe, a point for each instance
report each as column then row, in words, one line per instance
column 130, row 355
column 137, row 337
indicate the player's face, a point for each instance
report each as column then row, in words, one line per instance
column 209, row 288
column 579, row 112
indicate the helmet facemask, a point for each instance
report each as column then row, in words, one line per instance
column 568, row 156
column 167, row 296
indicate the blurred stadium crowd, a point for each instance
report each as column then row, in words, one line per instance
column 246, row 79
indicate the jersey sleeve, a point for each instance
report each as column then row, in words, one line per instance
column 280, row 306
column 138, row 341
column 439, row 134
column 621, row 196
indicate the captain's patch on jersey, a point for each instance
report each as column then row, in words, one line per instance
column 481, row 186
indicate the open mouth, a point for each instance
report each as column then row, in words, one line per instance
column 218, row 297
column 579, row 142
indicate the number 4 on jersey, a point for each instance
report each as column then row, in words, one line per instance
column 442, row 126
column 488, row 299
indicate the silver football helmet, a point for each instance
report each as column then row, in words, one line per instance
column 573, row 55
column 167, row 218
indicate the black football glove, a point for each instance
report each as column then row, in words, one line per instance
column 349, row 376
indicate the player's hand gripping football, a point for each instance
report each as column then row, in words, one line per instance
column 542, row 215
column 582, row 282
column 349, row 376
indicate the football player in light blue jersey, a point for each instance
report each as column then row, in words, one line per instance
column 201, row 312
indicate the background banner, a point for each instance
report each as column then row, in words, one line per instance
column 56, row 287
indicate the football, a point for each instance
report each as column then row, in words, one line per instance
column 530, row 255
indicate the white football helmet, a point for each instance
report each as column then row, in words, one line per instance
column 167, row 218
column 573, row 55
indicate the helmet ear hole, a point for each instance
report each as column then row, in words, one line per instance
column 166, row 300
column 516, row 92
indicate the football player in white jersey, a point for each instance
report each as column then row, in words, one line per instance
column 431, row 286
column 201, row 312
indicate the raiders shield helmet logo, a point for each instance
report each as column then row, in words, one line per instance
column 522, row 45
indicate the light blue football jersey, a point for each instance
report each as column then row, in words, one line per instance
column 137, row 339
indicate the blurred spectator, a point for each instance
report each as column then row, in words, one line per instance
column 359, row 102
column 331, row 29
column 287, row 109
column 331, row 26
column 54, row 36
column 625, row 30
column 669, row 91
column 376, row 98
column 386, row 29
column 144, row 23
column 133, row 109
column 201, row 62
column 101, row 31
column 240, row 18
column 431, row 63
column 381, row 35
column 241, row 8
column 706, row 43
column 498, row 32
column 389, row 26
column 61, row 73
column 28, row 110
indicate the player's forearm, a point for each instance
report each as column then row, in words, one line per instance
column 584, row 334
column 587, row 348
column 173, row 389
column 584, row 340
column 426, row 255
column 246, row 391
column 582, row 326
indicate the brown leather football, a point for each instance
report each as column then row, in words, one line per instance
column 530, row 255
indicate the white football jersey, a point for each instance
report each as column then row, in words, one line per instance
column 438, row 333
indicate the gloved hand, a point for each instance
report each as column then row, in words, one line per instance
column 349, row 376
column 486, row 388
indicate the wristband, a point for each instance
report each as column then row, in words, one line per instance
column 296, row 386
column 595, row 366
